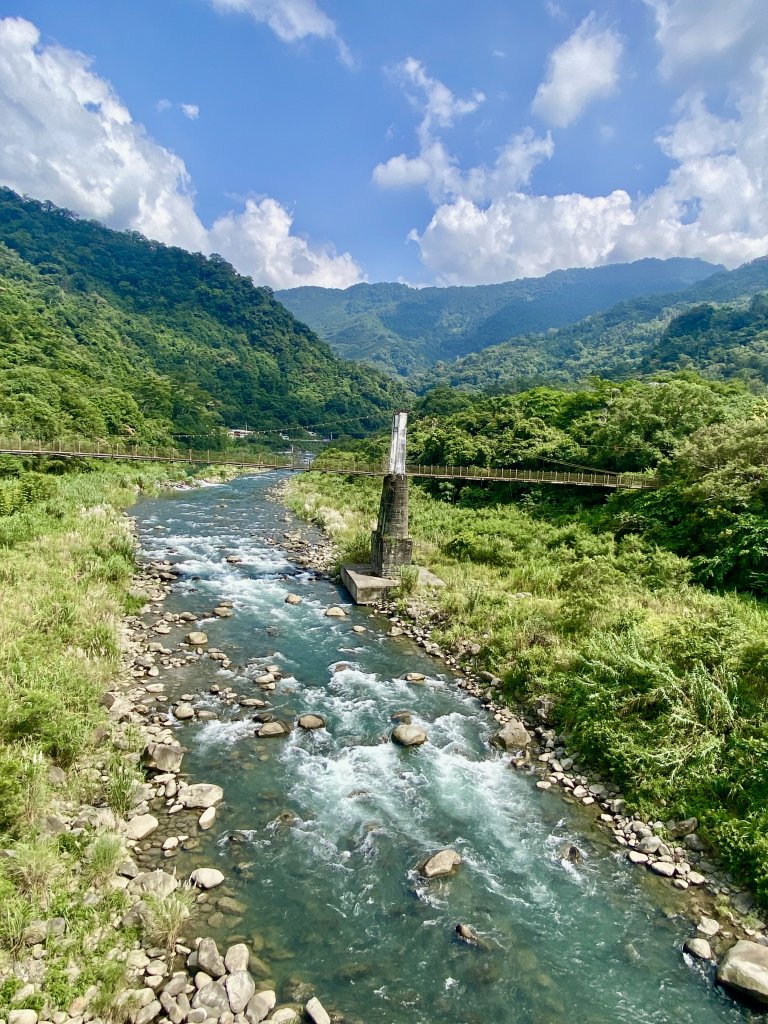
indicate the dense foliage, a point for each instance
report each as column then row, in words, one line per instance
column 404, row 329
column 691, row 329
column 106, row 334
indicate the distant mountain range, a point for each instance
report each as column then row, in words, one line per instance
column 404, row 330
column 718, row 326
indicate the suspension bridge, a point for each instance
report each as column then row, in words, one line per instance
column 298, row 463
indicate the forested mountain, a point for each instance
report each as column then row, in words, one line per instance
column 405, row 329
column 107, row 334
column 689, row 329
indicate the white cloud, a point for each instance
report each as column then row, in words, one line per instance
column 519, row 235
column 290, row 20
column 190, row 110
column 582, row 69
column 261, row 236
column 691, row 32
column 67, row 137
column 487, row 226
column 435, row 167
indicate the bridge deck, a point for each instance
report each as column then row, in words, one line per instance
column 603, row 479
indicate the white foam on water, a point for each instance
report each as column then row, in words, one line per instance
column 218, row 734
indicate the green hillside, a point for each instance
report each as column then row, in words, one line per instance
column 690, row 329
column 405, row 329
column 108, row 334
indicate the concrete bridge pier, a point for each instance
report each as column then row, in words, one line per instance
column 391, row 547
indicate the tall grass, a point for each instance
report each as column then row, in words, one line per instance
column 659, row 682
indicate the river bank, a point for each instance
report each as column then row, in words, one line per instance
column 303, row 844
column 722, row 912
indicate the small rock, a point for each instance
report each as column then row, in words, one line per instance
column 292, row 599
column 24, row 1017
column 315, row 1011
column 210, row 960
column 197, row 638
column 699, row 948
column 207, row 818
column 141, row 826
column 273, row 729
column 240, row 988
column 201, row 795
column 311, row 722
column 708, row 926
column 207, row 878
column 408, row 735
column 334, row 612
column 184, row 712
column 442, row 863
column 467, row 934
column 663, row 868
column 237, row 958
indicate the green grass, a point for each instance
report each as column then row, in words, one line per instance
column 658, row 682
column 66, row 565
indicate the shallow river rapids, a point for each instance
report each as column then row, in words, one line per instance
column 331, row 899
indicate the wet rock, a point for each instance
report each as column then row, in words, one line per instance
column 744, row 969
column 141, row 826
column 334, row 612
column 273, row 729
column 210, row 960
column 311, row 722
column 206, row 878
column 197, row 638
column 571, row 853
column 698, row 948
column 223, row 612
column 512, row 737
column 240, row 989
column 414, row 677
column 401, row 716
column 316, row 1012
column 467, row 934
column 292, row 599
column 442, row 863
column 408, row 735
column 184, row 712
column 201, row 795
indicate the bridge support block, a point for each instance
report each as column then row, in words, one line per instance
column 391, row 547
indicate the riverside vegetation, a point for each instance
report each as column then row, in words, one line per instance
column 638, row 620
column 65, row 585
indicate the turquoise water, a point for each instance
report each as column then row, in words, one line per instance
column 331, row 895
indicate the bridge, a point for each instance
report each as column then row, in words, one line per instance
column 297, row 464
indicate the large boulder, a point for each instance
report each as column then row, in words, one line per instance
column 444, row 862
column 334, row 612
column 202, row 795
column 213, row 999
column 274, row 729
column 157, row 883
column 744, row 968
column 237, row 958
column 408, row 735
column 513, row 736
column 197, row 638
column 317, row 1012
column 210, row 960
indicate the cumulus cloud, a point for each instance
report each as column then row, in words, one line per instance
column 690, row 32
column 190, row 110
column 67, row 137
column 489, row 225
column 582, row 69
column 434, row 167
column 290, row 20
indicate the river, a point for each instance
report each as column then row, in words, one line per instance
column 331, row 898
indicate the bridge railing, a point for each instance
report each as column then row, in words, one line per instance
column 145, row 453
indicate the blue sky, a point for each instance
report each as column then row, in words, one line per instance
column 331, row 141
